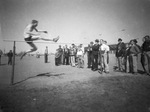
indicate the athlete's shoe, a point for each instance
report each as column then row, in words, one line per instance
column 56, row 39
column 23, row 55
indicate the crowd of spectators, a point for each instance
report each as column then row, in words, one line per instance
column 127, row 56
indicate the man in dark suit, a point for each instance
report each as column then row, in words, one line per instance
column 46, row 55
column 10, row 56
column 95, row 51
column 89, row 54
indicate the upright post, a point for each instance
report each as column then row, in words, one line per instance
column 13, row 63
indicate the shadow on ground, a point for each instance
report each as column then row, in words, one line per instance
column 103, row 94
column 48, row 74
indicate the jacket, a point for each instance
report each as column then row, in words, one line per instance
column 120, row 50
column 95, row 49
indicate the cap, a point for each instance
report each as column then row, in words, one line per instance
column 135, row 41
column 131, row 40
column 119, row 39
column 96, row 40
column 91, row 42
column 34, row 21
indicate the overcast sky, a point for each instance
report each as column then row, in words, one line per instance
column 75, row 20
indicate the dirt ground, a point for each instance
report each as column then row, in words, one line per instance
column 40, row 87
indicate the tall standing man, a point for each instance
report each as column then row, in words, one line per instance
column 72, row 55
column 145, row 56
column 89, row 54
column 31, row 34
column 66, row 55
column 120, row 53
column 133, row 56
column 46, row 55
column 95, row 51
column 0, row 55
column 104, row 56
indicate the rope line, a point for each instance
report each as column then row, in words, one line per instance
column 50, row 42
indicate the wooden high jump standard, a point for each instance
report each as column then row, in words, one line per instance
column 13, row 63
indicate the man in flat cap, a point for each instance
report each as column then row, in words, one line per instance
column 120, row 50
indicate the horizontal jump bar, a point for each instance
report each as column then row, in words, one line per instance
column 51, row 42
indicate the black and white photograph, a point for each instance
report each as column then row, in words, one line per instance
column 74, row 55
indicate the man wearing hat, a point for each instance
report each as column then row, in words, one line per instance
column 120, row 50
column 136, row 43
column 95, row 51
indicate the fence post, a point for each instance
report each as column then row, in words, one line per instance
column 13, row 63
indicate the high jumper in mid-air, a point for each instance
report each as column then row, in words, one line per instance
column 31, row 34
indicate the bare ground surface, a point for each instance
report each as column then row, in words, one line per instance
column 40, row 87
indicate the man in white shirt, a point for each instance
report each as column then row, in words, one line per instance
column 30, row 36
column 104, row 49
column 80, row 56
